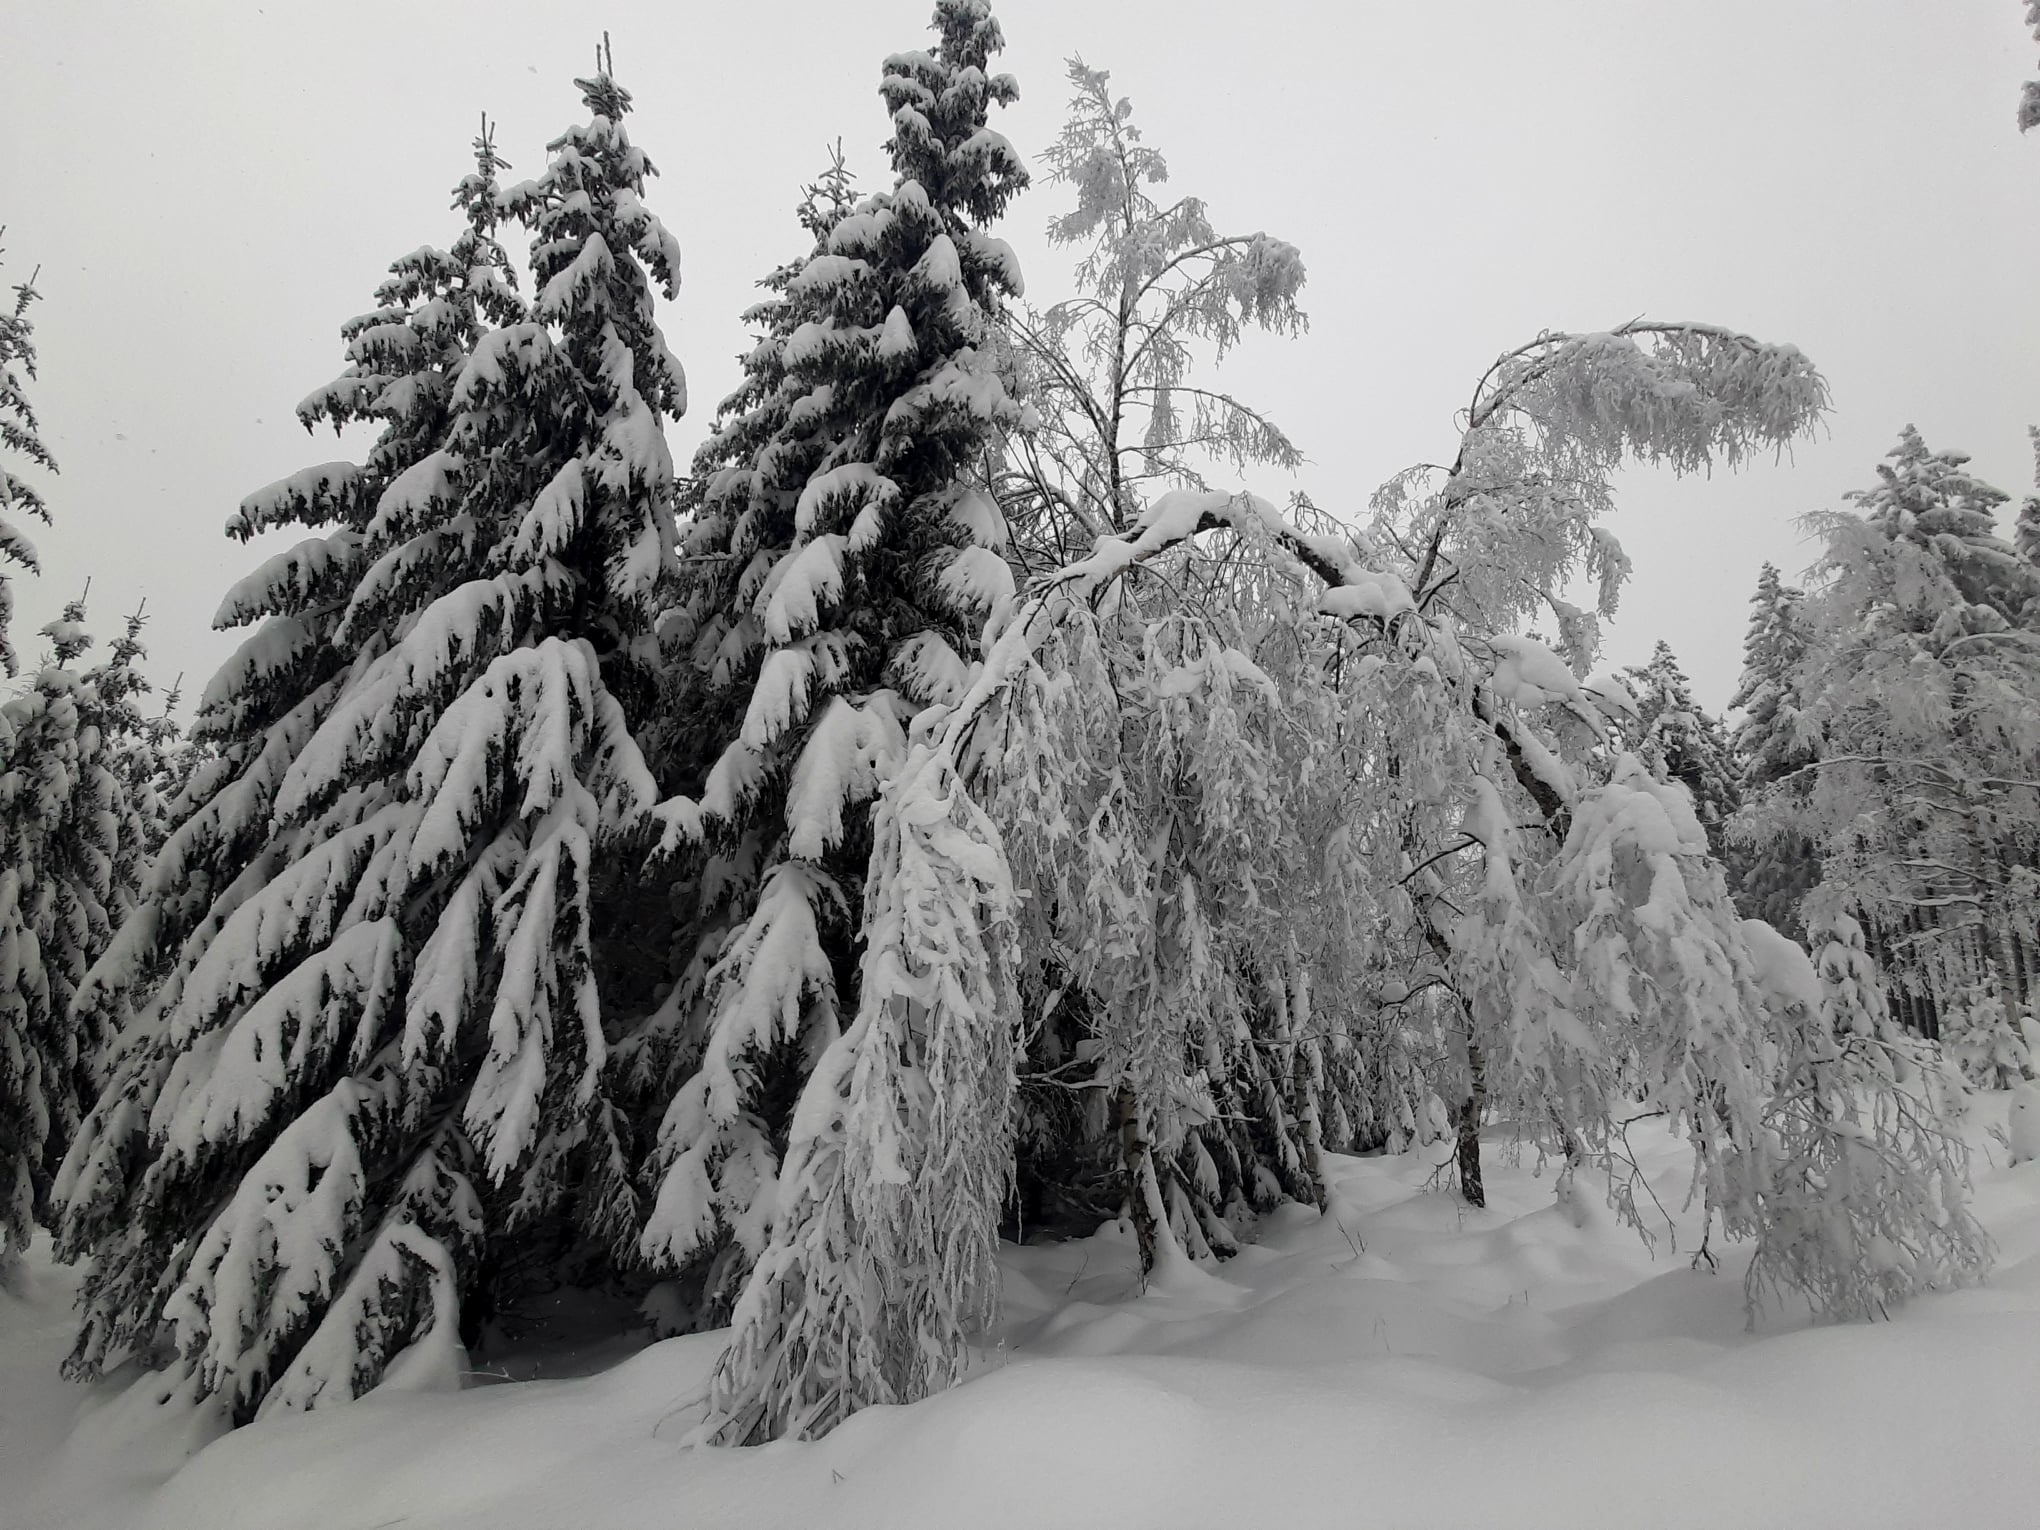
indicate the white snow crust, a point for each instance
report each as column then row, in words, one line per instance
column 1404, row 1361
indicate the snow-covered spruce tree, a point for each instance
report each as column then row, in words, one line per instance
column 848, row 569
column 74, row 826
column 19, row 437
column 1922, row 677
column 384, row 1060
column 1867, row 1204
column 138, row 747
column 702, row 708
column 119, row 822
column 1683, row 742
column 227, row 846
column 2026, row 533
column 154, row 758
column 1772, row 871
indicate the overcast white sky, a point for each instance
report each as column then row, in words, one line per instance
column 211, row 186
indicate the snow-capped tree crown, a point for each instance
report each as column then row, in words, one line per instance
column 1773, row 736
column 19, row 437
column 1497, row 535
column 1120, row 409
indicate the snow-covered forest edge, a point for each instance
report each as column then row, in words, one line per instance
column 962, row 937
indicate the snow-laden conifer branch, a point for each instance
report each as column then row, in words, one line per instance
column 78, row 818
column 19, row 435
column 368, row 1047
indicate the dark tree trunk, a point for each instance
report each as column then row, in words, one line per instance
column 1136, row 1155
column 1470, row 1183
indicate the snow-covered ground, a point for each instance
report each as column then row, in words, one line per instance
column 1407, row 1362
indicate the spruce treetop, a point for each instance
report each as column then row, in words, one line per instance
column 19, row 435
column 1770, row 740
column 939, row 100
column 583, row 212
column 1920, row 555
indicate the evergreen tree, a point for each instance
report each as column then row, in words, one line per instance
column 732, row 513
column 1773, row 739
column 1772, row 871
column 848, row 569
column 2026, row 535
column 18, row 434
column 154, row 759
column 381, row 1055
column 1680, row 739
column 1920, row 679
column 74, row 827
column 227, row 845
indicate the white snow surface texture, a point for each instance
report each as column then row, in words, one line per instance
column 1404, row 1362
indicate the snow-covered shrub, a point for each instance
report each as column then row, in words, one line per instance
column 1865, row 1202
column 1993, row 1049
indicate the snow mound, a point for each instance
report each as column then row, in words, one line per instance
column 1402, row 1361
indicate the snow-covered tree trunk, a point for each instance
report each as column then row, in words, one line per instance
column 1467, row 1151
column 1144, row 1207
